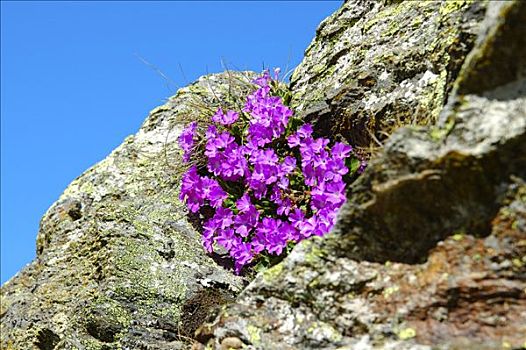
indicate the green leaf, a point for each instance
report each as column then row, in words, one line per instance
column 353, row 164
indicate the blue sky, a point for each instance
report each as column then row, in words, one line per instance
column 73, row 84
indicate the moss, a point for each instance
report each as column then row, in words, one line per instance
column 143, row 227
column 106, row 321
column 437, row 134
column 517, row 262
column 451, row 6
column 417, row 22
column 110, row 210
column 197, row 89
column 390, row 290
column 325, row 330
column 135, row 266
column 254, row 334
column 436, row 98
column 458, row 237
column 318, row 68
column 273, row 273
column 395, row 26
column 367, row 26
column 86, row 187
column 406, row 333
column 389, row 12
column 314, row 283
column 313, row 252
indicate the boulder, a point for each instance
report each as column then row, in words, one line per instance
column 118, row 263
column 376, row 65
column 429, row 252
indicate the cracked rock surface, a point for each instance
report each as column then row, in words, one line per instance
column 118, row 264
column 429, row 252
column 376, row 65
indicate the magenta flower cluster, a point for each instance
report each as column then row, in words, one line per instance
column 269, row 184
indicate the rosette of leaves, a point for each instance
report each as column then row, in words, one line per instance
column 267, row 182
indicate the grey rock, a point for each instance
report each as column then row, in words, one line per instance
column 119, row 266
column 428, row 252
column 377, row 65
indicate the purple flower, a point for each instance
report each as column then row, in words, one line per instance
column 319, row 144
column 249, row 148
column 305, row 131
column 263, row 173
column 318, row 198
column 320, row 161
column 243, row 204
column 231, row 117
column 309, row 227
column 283, row 182
column 335, row 192
column 211, row 132
column 225, row 119
column 242, row 254
column 245, row 222
column 223, row 217
column 259, row 134
column 186, row 140
column 225, row 157
column 258, row 186
column 327, row 218
column 191, row 190
column 290, row 232
column 310, row 175
column 247, row 160
column 226, row 238
column 336, row 168
column 263, row 80
column 288, row 165
column 363, row 165
column 276, row 239
column 293, row 140
column 296, row 217
column 213, row 192
column 284, row 207
column 341, row 150
column 224, row 140
column 270, row 237
column 275, row 194
column 264, row 156
column 210, row 228
column 306, row 150
column 218, row 116
column 208, row 244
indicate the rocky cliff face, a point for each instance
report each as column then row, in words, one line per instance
column 428, row 253
column 376, row 65
column 118, row 264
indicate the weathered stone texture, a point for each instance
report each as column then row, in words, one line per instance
column 118, row 264
column 376, row 65
column 428, row 253
column 429, row 250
